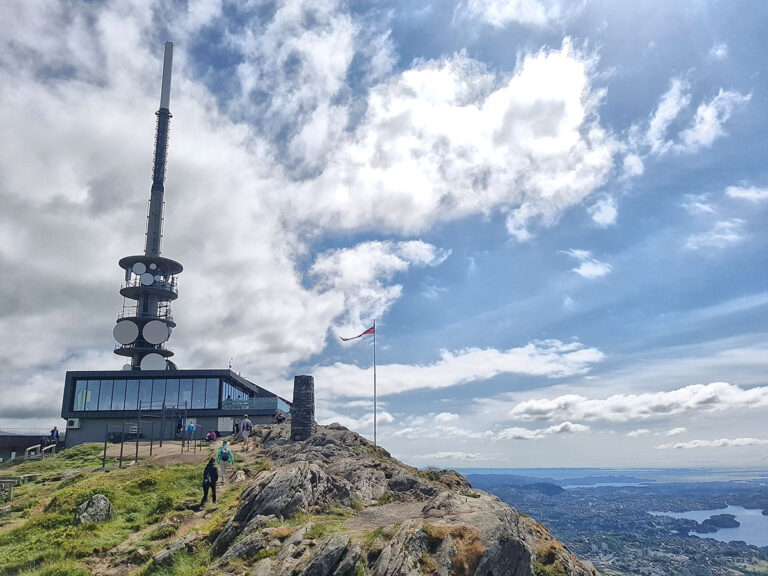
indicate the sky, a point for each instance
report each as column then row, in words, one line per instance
column 554, row 211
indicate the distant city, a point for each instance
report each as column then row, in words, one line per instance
column 700, row 522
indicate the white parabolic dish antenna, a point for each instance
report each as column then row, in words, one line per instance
column 153, row 362
column 139, row 268
column 155, row 332
column 125, row 331
column 147, row 279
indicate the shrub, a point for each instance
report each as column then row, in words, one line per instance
column 282, row 532
column 385, row 498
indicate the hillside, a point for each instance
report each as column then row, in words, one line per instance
column 331, row 505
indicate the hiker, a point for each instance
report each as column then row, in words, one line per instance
column 55, row 435
column 236, row 428
column 210, row 477
column 211, row 436
column 223, row 457
column 279, row 416
column 179, row 425
column 245, row 426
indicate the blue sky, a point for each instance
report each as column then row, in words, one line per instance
column 555, row 212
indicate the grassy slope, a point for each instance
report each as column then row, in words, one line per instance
column 39, row 537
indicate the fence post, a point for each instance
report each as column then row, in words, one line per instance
column 122, row 445
column 162, row 424
column 104, row 457
column 151, row 436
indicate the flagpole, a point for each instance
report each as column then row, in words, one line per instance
column 374, row 382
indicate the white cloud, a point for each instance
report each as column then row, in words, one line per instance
column 715, row 397
column 707, row 125
column 633, row 166
column 446, row 139
column 751, row 193
column 723, row 234
column 360, row 277
column 669, row 107
column 604, row 211
column 500, row 13
column 450, row 455
column 719, row 51
column 698, row 204
column 719, row 443
column 518, row 433
column 589, row 267
column 638, row 432
column 676, row 431
column 548, row 358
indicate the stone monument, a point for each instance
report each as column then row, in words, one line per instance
column 303, row 423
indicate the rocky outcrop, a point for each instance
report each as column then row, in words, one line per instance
column 363, row 511
column 97, row 508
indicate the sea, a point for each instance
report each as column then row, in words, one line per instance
column 754, row 525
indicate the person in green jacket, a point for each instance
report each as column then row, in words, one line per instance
column 224, row 457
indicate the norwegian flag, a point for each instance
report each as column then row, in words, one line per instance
column 371, row 330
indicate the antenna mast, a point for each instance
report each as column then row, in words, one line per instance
column 145, row 323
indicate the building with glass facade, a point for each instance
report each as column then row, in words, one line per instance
column 96, row 403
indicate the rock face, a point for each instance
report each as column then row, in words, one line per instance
column 97, row 508
column 354, row 509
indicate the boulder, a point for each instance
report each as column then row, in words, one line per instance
column 327, row 556
column 165, row 556
column 97, row 508
column 290, row 489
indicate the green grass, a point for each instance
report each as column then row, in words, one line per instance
column 184, row 564
column 45, row 540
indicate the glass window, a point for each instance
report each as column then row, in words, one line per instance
column 158, row 394
column 198, row 393
column 212, row 393
column 145, row 395
column 131, row 394
column 92, row 396
column 105, row 397
column 185, row 393
column 172, row 393
column 118, row 395
column 80, row 393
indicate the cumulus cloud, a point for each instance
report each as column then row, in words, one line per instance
column 638, row 432
column 361, row 277
column 719, row 51
column 588, row 267
column 548, row 358
column 604, row 211
column 670, row 105
column 675, row 431
column 518, row 433
column 447, row 139
column 751, row 193
column 698, row 204
column 705, row 398
column 704, row 128
column 719, row 443
column 450, row 455
column 707, row 125
column 500, row 13
column 723, row 234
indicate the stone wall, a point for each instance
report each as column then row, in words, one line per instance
column 303, row 423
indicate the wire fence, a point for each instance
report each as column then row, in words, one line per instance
column 139, row 437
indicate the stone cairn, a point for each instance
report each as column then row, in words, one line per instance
column 303, row 423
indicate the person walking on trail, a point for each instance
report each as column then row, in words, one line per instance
column 224, row 457
column 210, row 477
column 245, row 426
